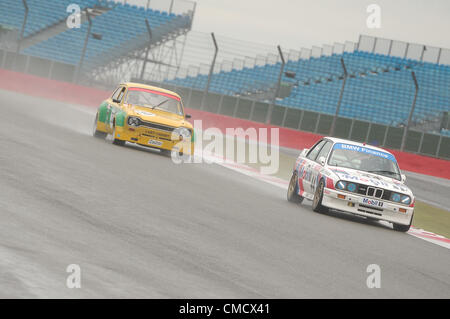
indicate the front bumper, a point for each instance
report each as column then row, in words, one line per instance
column 354, row 203
column 154, row 138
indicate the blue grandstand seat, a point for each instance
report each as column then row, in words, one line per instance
column 41, row 15
column 114, row 26
column 382, row 97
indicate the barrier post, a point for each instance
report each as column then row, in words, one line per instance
column 211, row 70
column 438, row 148
column 411, row 112
column 144, row 64
column 22, row 31
column 83, row 53
column 338, row 107
column 277, row 90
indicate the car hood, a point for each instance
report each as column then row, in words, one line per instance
column 361, row 177
column 157, row 116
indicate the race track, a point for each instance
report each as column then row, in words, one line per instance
column 429, row 189
column 140, row 226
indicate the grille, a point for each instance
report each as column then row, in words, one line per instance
column 368, row 212
column 159, row 137
column 371, row 207
column 374, row 192
column 156, row 126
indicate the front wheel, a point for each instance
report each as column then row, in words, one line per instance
column 112, row 138
column 402, row 228
column 166, row 153
column 292, row 192
column 178, row 156
column 317, row 201
column 96, row 133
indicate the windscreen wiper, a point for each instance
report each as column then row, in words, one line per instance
column 383, row 171
column 160, row 104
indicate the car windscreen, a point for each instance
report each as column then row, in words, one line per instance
column 364, row 159
column 154, row 100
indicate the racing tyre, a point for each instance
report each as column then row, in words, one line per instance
column 166, row 153
column 178, row 155
column 112, row 138
column 96, row 133
column 292, row 192
column 317, row 200
column 402, row 228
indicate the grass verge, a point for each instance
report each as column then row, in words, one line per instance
column 432, row 219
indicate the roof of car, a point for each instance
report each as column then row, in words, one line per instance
column 150, row 87
column 341, row 140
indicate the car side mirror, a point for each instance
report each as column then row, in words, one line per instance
column 403, row 178
column 116, row 101
column 188, row 116
column 322, row 160
column 304, row 152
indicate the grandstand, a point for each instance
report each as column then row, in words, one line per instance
column 375, row 107
column 379, row 88
column 42, row 14
column 110, row 20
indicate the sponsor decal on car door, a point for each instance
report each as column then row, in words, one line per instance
column 310, row 157
column 313, row 167
column 307, row 176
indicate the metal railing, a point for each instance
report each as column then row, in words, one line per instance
column 419, row 142
column 406, row 50
column 140, row 42
column 413, row 56
column 170, row 6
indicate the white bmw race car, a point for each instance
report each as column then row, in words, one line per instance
column 355, row 178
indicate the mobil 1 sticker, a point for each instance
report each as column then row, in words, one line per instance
column 372, row 202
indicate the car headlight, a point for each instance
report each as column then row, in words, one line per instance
column 133, row 121
column 181, row 133
column 395, row 197
column 351, row 187
column 406, row 199
column 341, row 185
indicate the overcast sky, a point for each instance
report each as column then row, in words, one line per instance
column 303, row 23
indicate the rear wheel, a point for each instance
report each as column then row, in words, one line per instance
column 112, row 138
column 95, row 132
column 317, row 200
column 292, row 192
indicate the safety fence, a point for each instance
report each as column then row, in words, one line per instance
column 389, row 82
column 417, row 142
column 171, row 6
column 10, row 60
column 405, row 50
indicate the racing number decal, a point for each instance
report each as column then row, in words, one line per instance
column 308, row 176
column 314, row 179
column 311, row 174
column 300, row 172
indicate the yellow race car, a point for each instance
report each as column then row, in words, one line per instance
column 145, row 115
